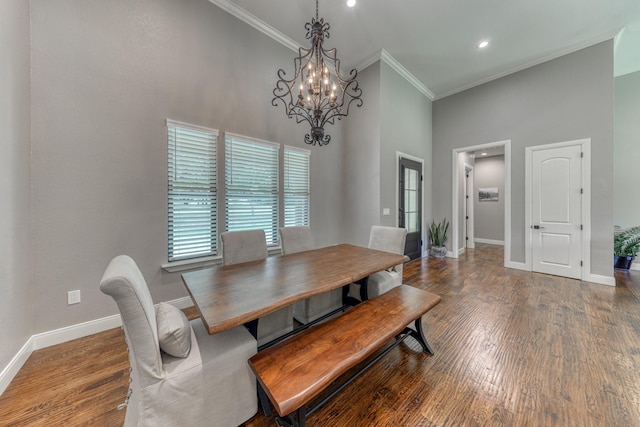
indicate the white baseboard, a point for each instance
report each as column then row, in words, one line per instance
column 11, row 370
column 68, row 333
column 635, row 266
column 489, row 241
column 516, row 265
column 601, row 280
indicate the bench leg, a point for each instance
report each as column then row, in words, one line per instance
column 418, row 334
column 263, row 401
column 300, row 419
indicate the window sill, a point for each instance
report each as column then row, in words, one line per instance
column 198, row 263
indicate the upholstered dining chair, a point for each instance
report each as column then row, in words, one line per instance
column 389, row 239
column 180, row 375
column 298, row 239
column 251, row 245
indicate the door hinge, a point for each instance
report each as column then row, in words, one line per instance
column 467, row 218
column 581, row 227
column 580, row 263
column 581, row 154
column 581, row 190
column 466, row 196
column 420, row 178
column 466, row 238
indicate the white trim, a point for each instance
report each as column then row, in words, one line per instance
column 455, row 167
column 204, row 262
column 176, row 123
column 601, row 280
column 263, row 27
column 635, row 266
column 62, row 335
column 406, row 74
column 11, row 370
column 243, row 138
column 191, row 264
column 258, row 24
column 585, row 146
column 468, row 212
column 516, row 265
column 489, row 241
column 423, row 234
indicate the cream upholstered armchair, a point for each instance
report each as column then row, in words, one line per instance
column 389, row 239
column 251, row 245
column 180, row 375
column 298, row 239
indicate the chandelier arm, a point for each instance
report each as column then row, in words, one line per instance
column 324, row 94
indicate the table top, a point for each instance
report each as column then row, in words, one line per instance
column 229, row 296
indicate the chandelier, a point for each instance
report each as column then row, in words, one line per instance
column 317, row 93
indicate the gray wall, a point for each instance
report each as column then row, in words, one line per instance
column 406, row 127
column 627, row 150
column 105, row 76
column 395, row 117
column 488, row 217
column 16, row 308
column 361, row 171
column 564, row 99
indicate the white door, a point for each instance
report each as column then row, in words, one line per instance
column 556, row 211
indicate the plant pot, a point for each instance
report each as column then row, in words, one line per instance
column 438, row 251
column 622, row 262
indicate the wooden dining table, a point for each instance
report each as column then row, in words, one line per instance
column 232, row 295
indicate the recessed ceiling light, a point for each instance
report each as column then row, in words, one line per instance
column 483, row 44
column 483, row 154
column 351, row 3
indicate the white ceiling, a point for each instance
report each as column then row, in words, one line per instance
column 435, row 40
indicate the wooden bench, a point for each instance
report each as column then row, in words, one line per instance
column 295, row 371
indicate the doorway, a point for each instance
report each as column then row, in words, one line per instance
column 457, row 196
column 410, row 205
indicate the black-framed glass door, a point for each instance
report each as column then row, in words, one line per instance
column 410, row 211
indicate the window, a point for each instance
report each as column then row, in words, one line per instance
column 256, row 191
column 296, row 187
column 192, row 191
column 251, row 185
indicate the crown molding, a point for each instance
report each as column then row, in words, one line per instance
column 385, row 57
column 235, row 10
column 602, row 38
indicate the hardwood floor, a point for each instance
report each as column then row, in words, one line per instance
column 512, row 349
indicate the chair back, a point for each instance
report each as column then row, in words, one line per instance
column 124, row 282
column 389, row 239
column 296, row 239
column 243, row 246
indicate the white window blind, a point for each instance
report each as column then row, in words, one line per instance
column 296, row 187
column 192, row 191
column 251, row 180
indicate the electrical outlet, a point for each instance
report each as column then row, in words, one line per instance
column 73, row 297
column 385, row 211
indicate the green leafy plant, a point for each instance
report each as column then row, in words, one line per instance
column 626, row 242
column 438, row 232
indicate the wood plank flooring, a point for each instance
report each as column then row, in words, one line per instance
column 512, row 349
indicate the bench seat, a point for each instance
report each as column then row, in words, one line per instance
column 295, row 371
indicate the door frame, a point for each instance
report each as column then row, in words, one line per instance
column 469, row 186
column 585, row 256
column 401, row 155
column 455, row 196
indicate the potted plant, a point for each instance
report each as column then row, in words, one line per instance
column 438, row 237
column 626, row 244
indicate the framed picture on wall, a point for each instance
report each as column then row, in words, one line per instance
column 488, row 194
